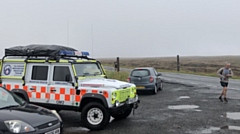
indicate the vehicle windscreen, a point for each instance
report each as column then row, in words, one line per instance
column 8, row 99
column 88, row 69
column 140, row 73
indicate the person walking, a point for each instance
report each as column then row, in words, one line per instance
column 224, row 73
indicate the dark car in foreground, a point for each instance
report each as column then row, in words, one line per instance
column 18, row 116
column 146, row 79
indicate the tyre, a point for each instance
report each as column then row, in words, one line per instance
column 95, row 116
column 155, row 90
column 122, row 115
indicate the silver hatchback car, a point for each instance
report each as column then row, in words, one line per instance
column 146, row 79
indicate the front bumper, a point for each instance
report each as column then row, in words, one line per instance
column 129, row 103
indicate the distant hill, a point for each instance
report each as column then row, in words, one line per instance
column 191, row 64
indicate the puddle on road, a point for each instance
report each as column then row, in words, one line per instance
column 181, row 107
column 180, row 89
column 233, row 115
column 111, row 119
column 77, row 130
column 211, row 129
column 184, row 97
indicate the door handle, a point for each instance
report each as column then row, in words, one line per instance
column 32, row 88
column 53, row 90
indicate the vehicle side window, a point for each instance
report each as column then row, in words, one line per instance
column 39, row 72
column 62, row 73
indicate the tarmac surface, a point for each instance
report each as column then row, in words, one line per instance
column 182, row 107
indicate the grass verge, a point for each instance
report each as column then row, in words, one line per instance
column 122, row 76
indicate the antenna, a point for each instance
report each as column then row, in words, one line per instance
column 67, row 33
column 92, row 39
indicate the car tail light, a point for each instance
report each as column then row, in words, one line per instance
column 128, row 79
column 151, row 79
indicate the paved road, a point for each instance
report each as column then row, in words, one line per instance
column 178, row 109
column 188, row 105
column 193, row 80
column 196, row 80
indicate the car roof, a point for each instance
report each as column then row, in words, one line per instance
column 143, row 68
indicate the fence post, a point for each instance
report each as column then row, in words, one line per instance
column 118, row 64
column 178, row 63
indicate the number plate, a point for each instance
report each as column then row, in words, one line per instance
column 56, row 131
column 140, row 87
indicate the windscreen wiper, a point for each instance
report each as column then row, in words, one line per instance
column 10, row 106
column 136, row 76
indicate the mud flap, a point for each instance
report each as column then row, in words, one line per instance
column 135, row 106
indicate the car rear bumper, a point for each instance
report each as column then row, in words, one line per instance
column 145, row 86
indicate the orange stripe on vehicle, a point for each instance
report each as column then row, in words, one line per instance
column 57, row 96
column 29, row 94
column 72, row 91
column 77, row 98
column 95, row 91
column 34, row 87
column 16, row 86
column 47, row 95
column 62, row 90
column 38, row 95
column 0, row 85
column 67, row 97
column 43, row 89
column 105, row 94
column 52, row 88
column 8, row 86
column 83, row 91
column 25, row 88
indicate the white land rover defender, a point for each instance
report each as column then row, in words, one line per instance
column 57, row 77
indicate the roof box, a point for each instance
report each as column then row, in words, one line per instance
column 38, row 50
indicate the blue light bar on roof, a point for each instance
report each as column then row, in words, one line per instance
column 85, row 53
column 66, row 52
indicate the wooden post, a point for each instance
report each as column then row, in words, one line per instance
column 118, row 64
column 178, row 63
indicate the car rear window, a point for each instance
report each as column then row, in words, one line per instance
column 140, row 72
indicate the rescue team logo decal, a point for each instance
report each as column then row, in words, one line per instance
column 7, row 69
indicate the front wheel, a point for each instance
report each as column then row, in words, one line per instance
column 123, row 114
column 95, row 116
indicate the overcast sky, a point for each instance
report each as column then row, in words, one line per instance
column 125, row 28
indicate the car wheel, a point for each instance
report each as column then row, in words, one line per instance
column 123, row 114
column 95, row 116
column 155, row 90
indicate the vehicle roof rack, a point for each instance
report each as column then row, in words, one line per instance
column 51, row 51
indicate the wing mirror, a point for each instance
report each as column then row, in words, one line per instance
column 159, row 74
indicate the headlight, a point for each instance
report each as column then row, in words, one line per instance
column 17, row 126
column 114, row 95
column 56, row 114
column 117, row 103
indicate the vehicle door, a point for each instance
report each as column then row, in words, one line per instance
column 36, row 82
column 61, row 88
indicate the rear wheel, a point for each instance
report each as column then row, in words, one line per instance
column 123, row 114
column 95, row 116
